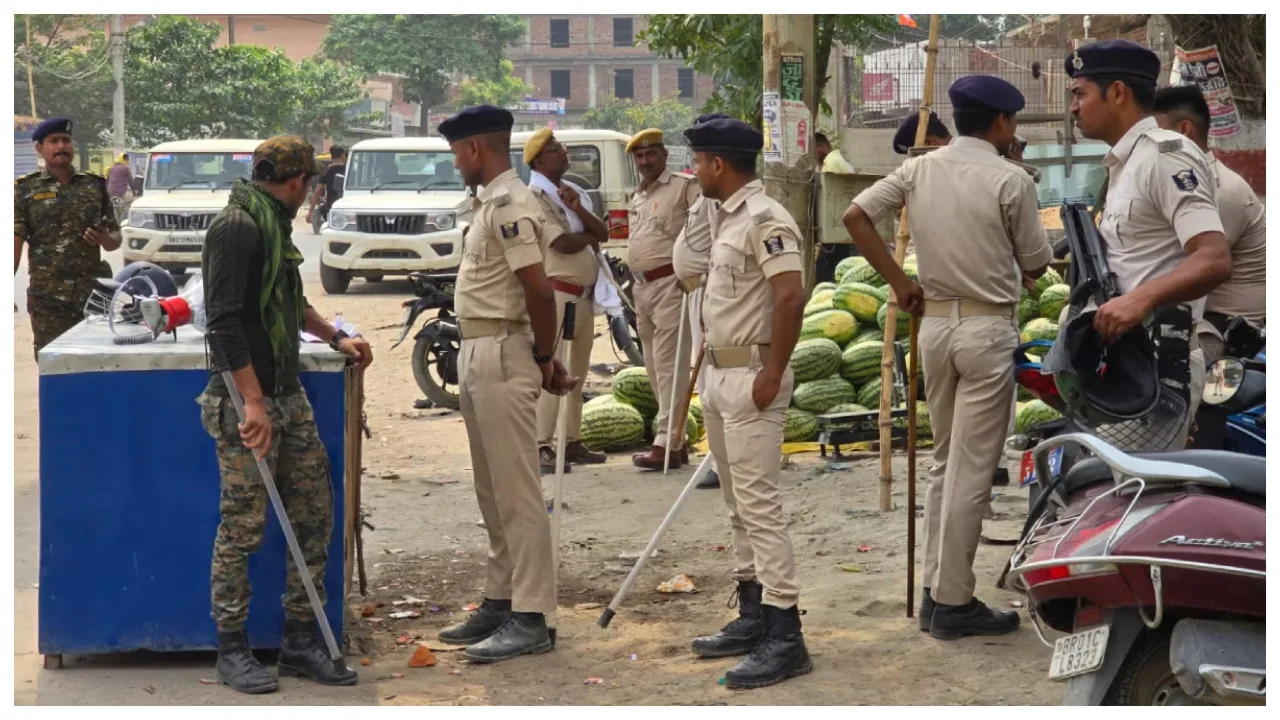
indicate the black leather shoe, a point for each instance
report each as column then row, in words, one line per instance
column 712, row 480
column 522, row 634
column 741, row 635
column 482, row 623
column 779, row 656
column 303, row 655
column 927, row 606
column 951, row 622
column 238, row 669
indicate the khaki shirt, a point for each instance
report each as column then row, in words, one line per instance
column 692, row 253
column 657, row 215
column 1160, row 194
column 753, row 239
column 1244, row 220
column 504, row 236
column 974, row 221
column 578, row 268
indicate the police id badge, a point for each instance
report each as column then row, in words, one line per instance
column 773, row 245
column 1186, row 180
column 509, row 230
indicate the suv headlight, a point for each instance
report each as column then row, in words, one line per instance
column 442, row 220
column 142, row 218
column 339, row 220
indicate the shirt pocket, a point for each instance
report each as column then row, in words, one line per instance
column 728, row 268
column 1115, row 221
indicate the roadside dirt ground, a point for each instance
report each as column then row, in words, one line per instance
column 428, row 546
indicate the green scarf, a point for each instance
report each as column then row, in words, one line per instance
column 281, row 302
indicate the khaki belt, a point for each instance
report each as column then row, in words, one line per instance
column 472, row 329
column 966, row 308
column 569, row 288
column 657, row 273
column 734, row 357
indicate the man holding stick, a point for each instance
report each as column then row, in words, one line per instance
column 976, row 226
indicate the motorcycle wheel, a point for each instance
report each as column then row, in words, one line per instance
column 1145, row 677
column 426, row 361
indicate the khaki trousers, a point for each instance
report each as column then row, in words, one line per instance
column 579, row 364
column 500, row 384
column 968, row 371
column 746, row 443
column 659, row 318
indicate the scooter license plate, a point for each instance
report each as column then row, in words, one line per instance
column 1079, row 654
column 1028, row 476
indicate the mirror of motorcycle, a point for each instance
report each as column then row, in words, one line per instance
column 1222, row 381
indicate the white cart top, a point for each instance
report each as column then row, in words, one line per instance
column 88, row 348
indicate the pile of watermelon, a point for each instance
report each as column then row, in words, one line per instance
column 1038, row 313
column 624, row 420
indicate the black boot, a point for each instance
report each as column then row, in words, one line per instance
column 522, row 634
column 712, row 480
column 739, row 636
column 780, row 655
column 239, row 669
column 927, row 606
column 479, row 625
column 951, row 622
column 303, row 655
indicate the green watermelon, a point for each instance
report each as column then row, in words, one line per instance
column 923, row 426
column 815, row 359
column 695, row 407
column 835, row 325
column 609, row 425
column 863, row 274
column 819, row 395
column 847, row 408
column 799, row 426
column 1024, row 394
column 847, row 264
column 692, row 430
column 869, row 394
column 1045, row 281
column 904, row 320
column 868, row 333
column 1052, row 300
column 631, row 386
column 1031, row 414
column 1039, row 329
column 859, row 299
column 861, row 361
column 819, row 302
column 1028, row 309
column 822, row 286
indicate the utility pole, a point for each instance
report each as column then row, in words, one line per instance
column 789, row 111
column 31, row 85
column 117, row 74
column 231, row 29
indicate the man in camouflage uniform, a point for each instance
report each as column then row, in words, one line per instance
column 65, row 218
column 255, row 309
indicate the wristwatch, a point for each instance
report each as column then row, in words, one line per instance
column 337, row 338
column 542, row 359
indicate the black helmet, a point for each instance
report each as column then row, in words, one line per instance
column 163, row 281
column 1107, row 382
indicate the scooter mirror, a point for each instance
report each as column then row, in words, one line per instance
column 1222, row 381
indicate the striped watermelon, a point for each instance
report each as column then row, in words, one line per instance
column 904, row 320
column 815, row 359
column 631, row 386
column 859, row 299
column 1045, row 281
column 847, row 408
column 861, row 361
column 863, row 274
column 799, row 426
column 869, row 394
column 819, row 395
column 924, row 428
column 609, row 425
column 819, row 301
column 1028, row 309
column 822, row 286
column 1039, row 329
column 844, row 266
column 835, row 325
column 692, row 430
column 695, row 407
column 1052, row 300
column 868, row 333
column 1033, row 413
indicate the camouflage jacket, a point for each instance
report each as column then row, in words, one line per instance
column 51, row 218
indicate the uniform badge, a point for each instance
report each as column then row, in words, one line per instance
column 773, row 245
column 1077, row 62
column 509, row 230
column 1186, row 180
column 45, row 195
column 1168, row 146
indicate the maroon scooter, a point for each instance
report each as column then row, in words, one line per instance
column 1154, row 565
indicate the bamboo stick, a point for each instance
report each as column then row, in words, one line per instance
column 913, row 368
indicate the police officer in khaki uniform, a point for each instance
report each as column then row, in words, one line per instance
column 573, row 233
column 507, row 318
column 1244, row 219
column 1164, row 237
column 752, row 309
column 975, row 224
column 659, row 210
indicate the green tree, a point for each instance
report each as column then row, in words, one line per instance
column 728, row 48
column 667, row 114
column 504, row 91
column 325, row 93
column 428, row 50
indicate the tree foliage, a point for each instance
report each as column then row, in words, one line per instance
column 667, row 114
column 965, row 27
column 504, row 91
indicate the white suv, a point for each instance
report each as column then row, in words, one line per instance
column 403, row 210
column 186, row 184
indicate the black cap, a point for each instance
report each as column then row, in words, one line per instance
column 51, row 127
column 985, row 92
column 709, row 117
column 905, row 138
column 724, row 134
column 1114, row 57
column 476, row 121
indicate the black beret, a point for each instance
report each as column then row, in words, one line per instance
column 1114, row 57
column 709, row 117
column 724, row 134
column 50, row 127
column 905, row 138
column 985, row 92
column 476, row 120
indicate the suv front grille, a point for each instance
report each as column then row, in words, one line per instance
column 392, row 224
column 183, row 221
column 391, row 255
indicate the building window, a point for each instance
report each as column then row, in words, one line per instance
column 560, row 32
column 684, row 80
column 624, row 84
column 560, row 84
column 623, row 36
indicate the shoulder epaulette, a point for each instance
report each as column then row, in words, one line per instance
column 501, row 197
column 760, row 208
column 1168, row 146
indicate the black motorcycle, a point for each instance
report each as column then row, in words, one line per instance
column 437, row 343
column 624, row 330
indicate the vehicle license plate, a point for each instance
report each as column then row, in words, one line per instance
column 186, row 239
column 1080, row 653
column 1029, row 466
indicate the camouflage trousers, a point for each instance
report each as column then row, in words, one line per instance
column 51, row 318
column 300, row 467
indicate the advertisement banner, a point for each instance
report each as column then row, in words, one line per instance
column 877, row 87
column 1203, row 68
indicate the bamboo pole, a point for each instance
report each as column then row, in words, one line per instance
column 913, row 367
column 891, row 315
column 688, row 398
column 31, row 85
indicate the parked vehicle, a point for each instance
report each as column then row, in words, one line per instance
column 623, row 331
column 1240, row 425
column 437, row 343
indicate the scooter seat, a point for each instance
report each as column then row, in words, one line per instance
column 1245, row 473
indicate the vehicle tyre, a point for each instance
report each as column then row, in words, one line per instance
column 333, row 280
column 373, row 278
column 425, row 370
column 1145, row 677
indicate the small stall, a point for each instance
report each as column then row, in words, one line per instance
column 129, row 497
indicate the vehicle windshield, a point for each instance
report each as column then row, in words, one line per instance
column 584, row 161
column 196, row 171
column 402, row 171
column 1087, row 173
